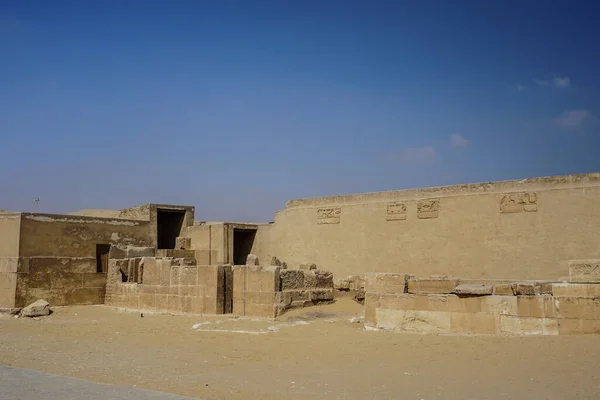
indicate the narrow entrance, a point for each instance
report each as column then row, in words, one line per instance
column 102, row 251
column 168, row 227
column 243, row 240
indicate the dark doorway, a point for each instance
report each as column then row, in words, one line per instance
column 102, row 251
column 168, row 227
column 243, row 239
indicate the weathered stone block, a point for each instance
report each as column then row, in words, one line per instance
column 526, row 288
column 500, row 305
column 38, row 308
column 377, row 282
column 151, row 271
column 88, row 295
column 576, row 290
column 135, row 252
column 292, row 279
column 473, row 290
column 503, row 289
column 414, row 321
column 321, row 295
column 568, row 307
column 183, row 243
column 371, row 304
column 162, row 301
column 318, row 279
column 252, row 259
column 432, row 286
column 97, row 280
column 307, row 267
column 589, row 308
column 590, row 326
column 9, row 264
column 530, row 306
column 147, row 301
column 174, row 253
column 188, row 276
column 570, row 327
column 584, row 271
column 479, row 323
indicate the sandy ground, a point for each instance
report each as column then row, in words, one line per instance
column 315, row 353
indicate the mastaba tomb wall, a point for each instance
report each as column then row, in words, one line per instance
column 524, row 229
column 10, row 225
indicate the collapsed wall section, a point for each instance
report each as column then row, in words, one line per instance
column 402, row 302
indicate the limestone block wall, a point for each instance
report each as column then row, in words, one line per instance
column 167, row 284
column 255, row 290
column 61, row 281
column 10, row 225
column 524, row 229
column 474, row 306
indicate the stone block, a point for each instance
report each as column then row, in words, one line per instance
column 252, row 259
column 323, row 279
column 586, row 290
column 151, row 271
column 570, row 327
column 261, row 310
column 183, row 243
column 198, row 305
column 584, row 271
column 65, row 280
column 21, row 290
column 139, row 252
column 147, row 301
column 550, row 309
column 568, row 307
column 432, row 285
column 503, row 289
column 512, row 325
column 97, row 280
column 376, row 282
column 321, row 295
column 174, row 253
column 9, row 264
column 264, row 279
column 413, row 321
column 175, row 275
column 530, row 306
column 526, row 288
column 354, row 282
column 174, row 303
column 184, row 262
column 185, row 304
column 292, row 279
column 40, row 280
column 478, row 323
column 307, row 267
column 589, row 308
column 435, row 302
column 161, row 301
column 117, row 252
column 38, row 308
column 90, row 295
column 371, row 304
column 473, row 290
column 590, row 326
column 500, row 305
column 188, row 276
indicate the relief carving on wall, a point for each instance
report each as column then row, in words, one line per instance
column 329, row 215
column 518, row 202
column 396, row 212
column 428, row 209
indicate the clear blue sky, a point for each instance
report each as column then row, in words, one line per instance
column 237, row 106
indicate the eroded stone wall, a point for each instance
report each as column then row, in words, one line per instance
column 525, row 229
column 473, row 306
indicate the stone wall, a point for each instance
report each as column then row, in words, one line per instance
column 49, row 235
column 473, row 306
column 10, row 225
column 166, row 284
column 526, row 229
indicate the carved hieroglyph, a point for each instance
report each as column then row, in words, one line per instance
column 518, row 202
column 428, row 209
column 329, row 215
column 396, row 212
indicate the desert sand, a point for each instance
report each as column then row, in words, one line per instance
column 313, row 353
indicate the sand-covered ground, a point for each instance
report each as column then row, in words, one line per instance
column 314, row 353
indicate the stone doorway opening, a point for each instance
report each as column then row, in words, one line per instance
column 168, row 227
column 243, row 240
